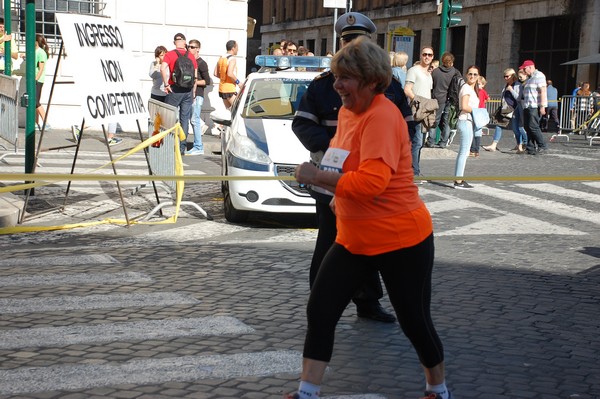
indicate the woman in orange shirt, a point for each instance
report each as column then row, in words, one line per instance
column 381, row 220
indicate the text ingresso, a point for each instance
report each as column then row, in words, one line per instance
column 93, row 35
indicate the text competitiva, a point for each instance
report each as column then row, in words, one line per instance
column 103, row 105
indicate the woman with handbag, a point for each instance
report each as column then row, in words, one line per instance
column 509, row 112
column 469, row 100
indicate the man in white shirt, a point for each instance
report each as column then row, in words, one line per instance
column 419, row 82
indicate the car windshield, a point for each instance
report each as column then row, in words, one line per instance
column 274, row 98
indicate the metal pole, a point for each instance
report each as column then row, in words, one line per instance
column 30, row 76
column 444, row 26
column 335, row 17
column 7, row 45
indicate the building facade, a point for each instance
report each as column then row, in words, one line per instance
column 148, row 24
column 493, row 34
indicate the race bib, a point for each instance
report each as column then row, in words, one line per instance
column 332, row 161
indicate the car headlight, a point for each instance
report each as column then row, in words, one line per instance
column 244, row 148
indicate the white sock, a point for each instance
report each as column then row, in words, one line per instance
column 306, row 390
column 439, row 389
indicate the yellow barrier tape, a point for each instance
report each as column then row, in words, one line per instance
column 207, row 178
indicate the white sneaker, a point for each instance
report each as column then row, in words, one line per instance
column 204, row 128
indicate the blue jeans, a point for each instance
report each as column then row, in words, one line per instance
column 184, row 101
column 518, row 130
column 465, row 132
column 441, row 121
column 535, row 139
column 497, row 134
column 416, row 145
column 197, row 123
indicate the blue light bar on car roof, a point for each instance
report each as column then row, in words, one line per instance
column 283, row 61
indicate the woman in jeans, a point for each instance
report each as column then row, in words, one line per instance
column 510, row 96
column 468, row 101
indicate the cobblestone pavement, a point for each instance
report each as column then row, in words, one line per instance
column 207, row 309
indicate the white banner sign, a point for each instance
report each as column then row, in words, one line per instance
column 98, row 56
column 334, row 3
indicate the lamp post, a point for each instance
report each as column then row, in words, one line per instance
column 448, row 19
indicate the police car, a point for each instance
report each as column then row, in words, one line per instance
column 258, row 140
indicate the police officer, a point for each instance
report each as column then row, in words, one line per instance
column 315, row 124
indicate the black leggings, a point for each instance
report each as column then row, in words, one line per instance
column 370, row 292
column 406, row 274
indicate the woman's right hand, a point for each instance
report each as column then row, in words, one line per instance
column 305, row 173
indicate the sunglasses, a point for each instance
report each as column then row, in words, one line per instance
column 427, row 54
column 193, row 47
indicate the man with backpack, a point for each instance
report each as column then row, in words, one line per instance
column 442, row 78
column 178, row 71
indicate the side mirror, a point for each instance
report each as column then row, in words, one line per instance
column 222, row 117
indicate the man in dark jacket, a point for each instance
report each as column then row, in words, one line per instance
column 441, row 81
column 315, row 124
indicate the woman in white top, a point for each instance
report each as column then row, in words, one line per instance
column 468, row 101
column 158, row 89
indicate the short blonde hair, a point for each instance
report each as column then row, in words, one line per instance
column 400, row 59
column 511, row 72
column 481, row 80
column 365, row 61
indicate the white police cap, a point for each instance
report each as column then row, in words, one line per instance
column 354, row 23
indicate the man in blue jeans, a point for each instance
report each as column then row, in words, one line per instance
column 198, row 125
column 178, row 96
column 535, row 102
column 419, row 82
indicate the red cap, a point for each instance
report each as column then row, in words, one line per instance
column 526, row 64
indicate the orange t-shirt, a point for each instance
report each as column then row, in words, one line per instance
column 377, row 204
column 226, row 84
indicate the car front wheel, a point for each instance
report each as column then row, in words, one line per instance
column 231, row 214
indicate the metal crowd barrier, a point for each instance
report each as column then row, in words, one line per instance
column 164, row 155
column 578, row 115
column 9, row 113
column 491, row 106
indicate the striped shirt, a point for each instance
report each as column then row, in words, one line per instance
column 532, row 89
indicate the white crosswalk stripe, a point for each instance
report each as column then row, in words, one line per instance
column 148, row 371
column 77, row 278
column 502, row 221
column 563, row 192
column 549, row 206
column 63, row 303
column 81, row 260
column 142, row 330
